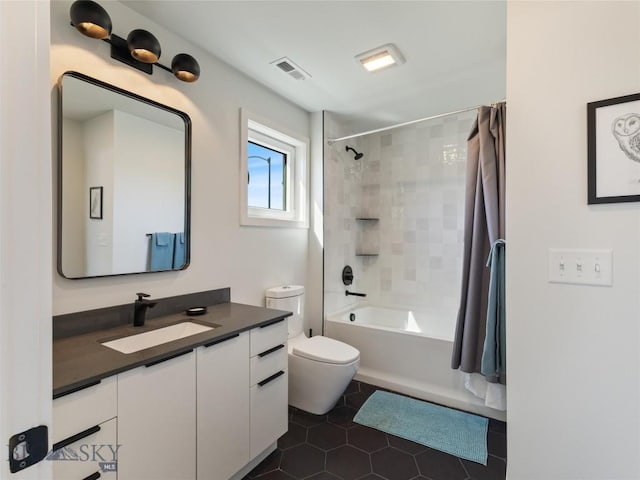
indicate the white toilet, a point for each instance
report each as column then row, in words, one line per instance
column 320, row 368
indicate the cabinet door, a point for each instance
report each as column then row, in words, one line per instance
column 157, row 421
column 94, row 454
column 223, row 408
column 269, row 411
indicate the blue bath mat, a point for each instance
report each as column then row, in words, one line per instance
column 451, row 431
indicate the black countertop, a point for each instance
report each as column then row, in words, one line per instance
column 81, row 360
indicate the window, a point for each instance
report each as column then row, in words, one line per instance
column 273, row 175
column 267, row 177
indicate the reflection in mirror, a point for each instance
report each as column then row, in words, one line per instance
column 124, row 177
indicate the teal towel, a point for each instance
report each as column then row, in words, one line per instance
column 163, row 238
column 494, row 354
column 161, row 255
column 178, row 251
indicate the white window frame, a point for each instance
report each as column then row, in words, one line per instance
column 264, row 132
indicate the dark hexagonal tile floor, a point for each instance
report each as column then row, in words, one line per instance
column 333, row 447
column 327, row 436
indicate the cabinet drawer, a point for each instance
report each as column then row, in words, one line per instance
column 264, row 338
column 85, row 408
column 268, row 362
column 89, row 456
column 269, row 412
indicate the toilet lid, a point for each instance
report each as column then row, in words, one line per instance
column 327, row 350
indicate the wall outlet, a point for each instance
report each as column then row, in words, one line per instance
column 581, row 267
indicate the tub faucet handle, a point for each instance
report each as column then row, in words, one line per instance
column 347, row 275
column 347, row 293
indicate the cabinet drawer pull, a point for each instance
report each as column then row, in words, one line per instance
column 77, row 389
column 75, row 438
column 168, row 358
column 93, row 476
column 215, row 342
column 271, row 378
column 271, row 350
column 272, row 323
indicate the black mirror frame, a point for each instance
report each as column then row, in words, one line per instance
column 187, row 162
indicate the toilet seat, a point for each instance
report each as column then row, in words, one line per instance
column 325, row 350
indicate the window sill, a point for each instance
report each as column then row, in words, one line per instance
column 247, row 221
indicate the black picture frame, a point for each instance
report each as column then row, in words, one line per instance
column 95, row 203
column 613, row 150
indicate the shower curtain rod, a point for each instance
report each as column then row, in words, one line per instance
column 404, row 124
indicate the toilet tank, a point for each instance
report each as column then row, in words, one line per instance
column 291, row 298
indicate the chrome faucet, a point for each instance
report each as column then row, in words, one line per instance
column 140, row 308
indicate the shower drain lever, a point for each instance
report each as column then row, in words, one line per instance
column 347, row 293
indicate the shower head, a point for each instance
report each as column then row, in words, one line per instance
column 356, row 156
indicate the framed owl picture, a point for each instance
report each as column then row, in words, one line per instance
column 613, row 132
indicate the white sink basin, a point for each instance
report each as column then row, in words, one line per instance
column 134, row 343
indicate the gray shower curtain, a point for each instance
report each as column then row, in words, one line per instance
column 484, row 227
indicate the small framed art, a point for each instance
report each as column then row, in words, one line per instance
column 613, row 132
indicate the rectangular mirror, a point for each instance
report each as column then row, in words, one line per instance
column 124, row 174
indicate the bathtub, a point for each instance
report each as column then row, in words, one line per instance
column 408, row 352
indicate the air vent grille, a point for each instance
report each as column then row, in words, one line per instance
column 286, row 65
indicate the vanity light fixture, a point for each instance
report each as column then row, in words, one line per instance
column 140, row 50
column 143, row 46
column 381, row 57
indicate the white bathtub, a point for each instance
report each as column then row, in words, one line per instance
column 406, row 351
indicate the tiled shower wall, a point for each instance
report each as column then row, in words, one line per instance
column 342, row 187
column 411, row 179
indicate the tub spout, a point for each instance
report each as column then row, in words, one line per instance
column 347, row 293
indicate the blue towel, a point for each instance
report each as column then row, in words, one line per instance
column 494, row 360
column 178, row 251
column 161, row 255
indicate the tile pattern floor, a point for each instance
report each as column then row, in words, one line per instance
column 333, row 447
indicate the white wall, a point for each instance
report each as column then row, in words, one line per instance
column 75, row 204
column 148, row 173
column 99, row 154
column 573, row 351
column 25, row 226
column 247, row 259
column 314, row 292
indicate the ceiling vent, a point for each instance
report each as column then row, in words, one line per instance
column 287, row 66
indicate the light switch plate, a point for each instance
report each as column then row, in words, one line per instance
column 581, row 267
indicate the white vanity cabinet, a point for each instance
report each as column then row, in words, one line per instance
column 157, row 420
column 268, row 385
column 208, row 414
column 84, row 433
column 223, row 407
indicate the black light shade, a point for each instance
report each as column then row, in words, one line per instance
column 185, row 67
column 143, row 46
column 90, row 19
